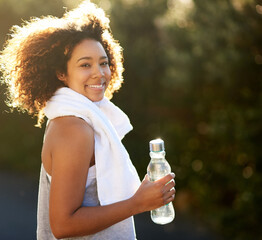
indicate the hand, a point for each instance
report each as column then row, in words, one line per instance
column 152, row 195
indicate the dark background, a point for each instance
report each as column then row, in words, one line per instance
column 193, row 73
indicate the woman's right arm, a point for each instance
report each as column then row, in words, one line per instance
column 72, row 150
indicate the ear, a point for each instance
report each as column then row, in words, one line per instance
column 61, row 76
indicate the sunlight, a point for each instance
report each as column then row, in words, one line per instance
column 259, row 9
column 105, row 4
column 71, row 3
column 239, row 4
column 186, row 1
column 131, row 2
column 178, row 11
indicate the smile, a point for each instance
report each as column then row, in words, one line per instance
column 96, row 86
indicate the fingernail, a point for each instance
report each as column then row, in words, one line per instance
column 173, row 174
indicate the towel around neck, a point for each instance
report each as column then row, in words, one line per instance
column 117, row 178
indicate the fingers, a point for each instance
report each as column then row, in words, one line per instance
column 168, row 189
column 169, row 196
column 166, row 179
column 166, row 183
column 152, row 195
column 170, row 199
column 172, row 192
column 169, row 185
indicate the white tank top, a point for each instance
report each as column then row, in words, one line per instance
column 124, row 230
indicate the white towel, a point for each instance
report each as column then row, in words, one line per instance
column 117, row 178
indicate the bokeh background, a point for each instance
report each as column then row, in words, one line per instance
column 193, row 72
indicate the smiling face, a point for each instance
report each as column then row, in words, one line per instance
column 88, row 71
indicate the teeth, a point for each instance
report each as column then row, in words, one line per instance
column 96, row 86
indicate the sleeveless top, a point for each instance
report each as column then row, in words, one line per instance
column 124, row 230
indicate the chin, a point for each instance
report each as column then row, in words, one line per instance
column 95, row 99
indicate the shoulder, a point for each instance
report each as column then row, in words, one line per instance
column 70, row 125
column 68, row 130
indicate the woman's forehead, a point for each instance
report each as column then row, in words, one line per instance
column 88, row 48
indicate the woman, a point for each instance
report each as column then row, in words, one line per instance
column 62, row 68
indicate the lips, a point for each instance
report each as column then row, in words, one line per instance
column 96, row 86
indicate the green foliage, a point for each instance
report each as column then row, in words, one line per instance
column 195, row 80
column 193, row 77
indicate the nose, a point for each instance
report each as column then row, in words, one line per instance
column 98, row 72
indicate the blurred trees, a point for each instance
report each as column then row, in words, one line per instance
column 193, row 77
column 193, row 71
column 20, row 141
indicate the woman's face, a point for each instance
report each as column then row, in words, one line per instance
column 88, row 71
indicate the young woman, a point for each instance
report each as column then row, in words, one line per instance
column 66, row 69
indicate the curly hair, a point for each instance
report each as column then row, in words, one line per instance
column 42, row 46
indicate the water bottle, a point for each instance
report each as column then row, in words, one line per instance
column 158, row 168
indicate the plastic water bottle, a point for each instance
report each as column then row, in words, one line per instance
column 158, row 168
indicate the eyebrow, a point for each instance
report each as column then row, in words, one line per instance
column 90, row 58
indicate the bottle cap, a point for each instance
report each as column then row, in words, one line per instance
column 157, row 145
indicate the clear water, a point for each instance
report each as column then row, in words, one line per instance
column 158, row 168
column 163, row 215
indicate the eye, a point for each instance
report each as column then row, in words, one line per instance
column 105, row 63
column 85, row 65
